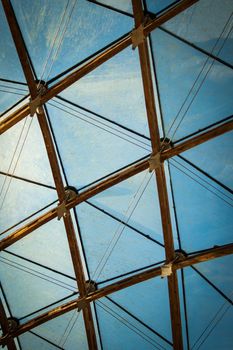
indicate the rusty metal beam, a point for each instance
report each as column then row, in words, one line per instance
column 207, row 255
column 70, row 231
column 94, row 63
column 160, row 174
column 5, row 328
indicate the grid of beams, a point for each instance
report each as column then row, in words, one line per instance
column 85, row 298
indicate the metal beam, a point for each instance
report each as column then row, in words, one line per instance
column 94, row 63
column 207, row 255
column 160, row 177
column 70, row 231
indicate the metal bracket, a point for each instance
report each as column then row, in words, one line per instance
column 137, row 36
column 166, row 270
column 81, row 305
column 35, row 105
column 154, row 162
column 61, row 210
column 70, row 194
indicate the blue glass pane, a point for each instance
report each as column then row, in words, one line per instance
column 8, row 97
column 122, row 202
column 34, row 289
column 30, row 341
column 52, row 36
column 115, row 91
column 22, row 152
column 9, row 63
column 206, row 308
column 66, row 331
column 207, row 24
column 119, row 330
column 158, row 5
column 220, row 151
column 20, row 199
column 204, row 213
column 83, row 145
column 112, row 248
column 218, row 272
column 123, row 5
column 149, row 302
column 50, row 240
column 192, row 87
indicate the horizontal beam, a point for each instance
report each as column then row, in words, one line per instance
column 212, row 253
column 93, row 64
column 197, row 140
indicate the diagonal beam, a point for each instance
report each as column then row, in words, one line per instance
column 94, row 63
column 70, row 231
column 207, row 255
column 160, row 178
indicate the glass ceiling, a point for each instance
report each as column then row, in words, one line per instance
column 116, row 174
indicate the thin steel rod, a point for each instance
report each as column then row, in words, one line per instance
column 102, row 117
column 185, row 41
column 226, row 188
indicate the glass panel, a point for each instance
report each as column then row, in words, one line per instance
column 50, row 240
column 9, row 96
column 192, row 87
column 52, row 36
column 84, row 146
column 115, row 91
column 30, row 341
column 146, row 301
column 34, row 289
column 203, row 24
column 204, row 213
column 123, row 5
column 112, row 248
column 22, row 152
column 208, row 314
column 16, row 200
column 9, row 63
column 158, row 5
column 122, row 201
column 66, row 331
column 217, row 271
column 220, row 151
column 136, row 317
